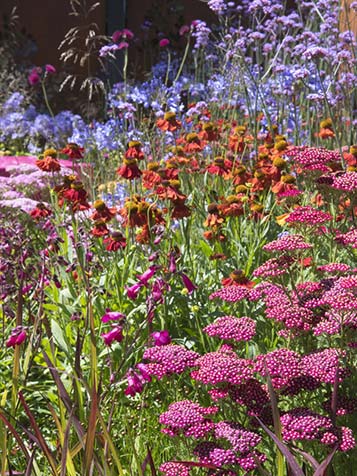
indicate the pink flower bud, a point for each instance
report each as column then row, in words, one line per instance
column 17, row 337
column 164, row 42
column 50, row 69
column 34, row 77
column 183, row 30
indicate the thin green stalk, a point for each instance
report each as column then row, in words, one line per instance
column 183, row 60
column 46, row 99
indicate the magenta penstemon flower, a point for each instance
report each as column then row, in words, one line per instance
column 136, row 379
column 133, row 291
column 158, row 289
column 112, row 316
column 17, row 337
column 187, row 283
column 148, row 274
column 114, row 335
column 172, row 263
column 161, row 337
column 135, row 384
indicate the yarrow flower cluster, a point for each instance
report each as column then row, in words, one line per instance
column 287, row 243
column 345, row 181
column 187, row 418
column 232, row 328
column 308, row 216
column 222, row 366
column 231, row 293
column 313, row 158
column 169, row 359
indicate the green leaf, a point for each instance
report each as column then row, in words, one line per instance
column 59, row 336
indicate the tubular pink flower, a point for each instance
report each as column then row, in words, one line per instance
column 17, row 337
column 187, row 283
column 147, row 275
column 115, row 334
column 112, row 316
column 133, row 291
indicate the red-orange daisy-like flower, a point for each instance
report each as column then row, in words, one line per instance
column 129, row 169
column 134, row 151
column 102, row 212
column 48, row 164
column 232, row 207
column 238, row 278
column 150, row 179
column 73, row 151
column 41, row 211
column 169, row 122
column 208, row 132
column 76, row 195
column 180, row 209
column 100, row 229
column 115, row 241
column 220, row 167
column 193, row 143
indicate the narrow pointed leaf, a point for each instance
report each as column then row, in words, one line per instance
column 297, row 471
column 309, row 458
column 39, row 436
column 16, row 436
column 320, row 471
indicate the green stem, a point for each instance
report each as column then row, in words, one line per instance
column 46, row 99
